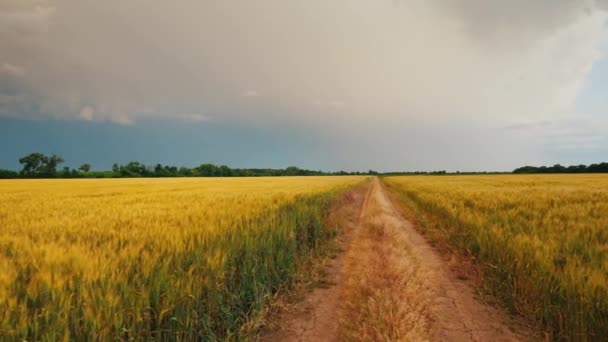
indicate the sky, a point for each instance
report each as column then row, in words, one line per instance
column 331, row 85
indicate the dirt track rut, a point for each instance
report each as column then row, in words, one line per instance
column 435, row 304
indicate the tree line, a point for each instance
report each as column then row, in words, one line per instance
column 557, row 168
column 38, row 165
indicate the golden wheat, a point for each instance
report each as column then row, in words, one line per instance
column 541, row 240
column 151, row 258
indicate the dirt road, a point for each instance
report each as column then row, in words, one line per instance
column 389, row 284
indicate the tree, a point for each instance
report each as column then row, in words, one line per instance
column 292, row 171
column 66, row 173
column 164, row 171
column 184, row 172
column 133, row 169
column 225, row 171
column 8, row 174
column 207, row 170
column 172, row 170
column 50, row 165
column 86, row 167
column 39, row 165
column 32, row 164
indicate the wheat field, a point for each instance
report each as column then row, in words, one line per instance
column 541, row 240
column 152, row 258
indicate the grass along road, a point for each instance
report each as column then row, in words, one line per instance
column 538, row 241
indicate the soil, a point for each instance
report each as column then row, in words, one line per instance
column 400, row 268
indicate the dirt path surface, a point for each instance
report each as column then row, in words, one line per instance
column 454, row 313
column 389, row 284
column 316, row 317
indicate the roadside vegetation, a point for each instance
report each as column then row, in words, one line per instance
column 541, row 241
column 187, row 259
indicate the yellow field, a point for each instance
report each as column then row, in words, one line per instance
column 542, row 240
column 136, row 258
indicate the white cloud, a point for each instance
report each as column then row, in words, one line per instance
column 87, row 113
column 11, row 70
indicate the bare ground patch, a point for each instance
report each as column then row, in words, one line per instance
column 314, row 316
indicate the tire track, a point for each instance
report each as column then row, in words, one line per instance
column 390, row 285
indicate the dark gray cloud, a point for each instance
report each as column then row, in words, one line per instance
column 340, row 64
column 120, row 61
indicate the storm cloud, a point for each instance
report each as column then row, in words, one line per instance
column 350, row 64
